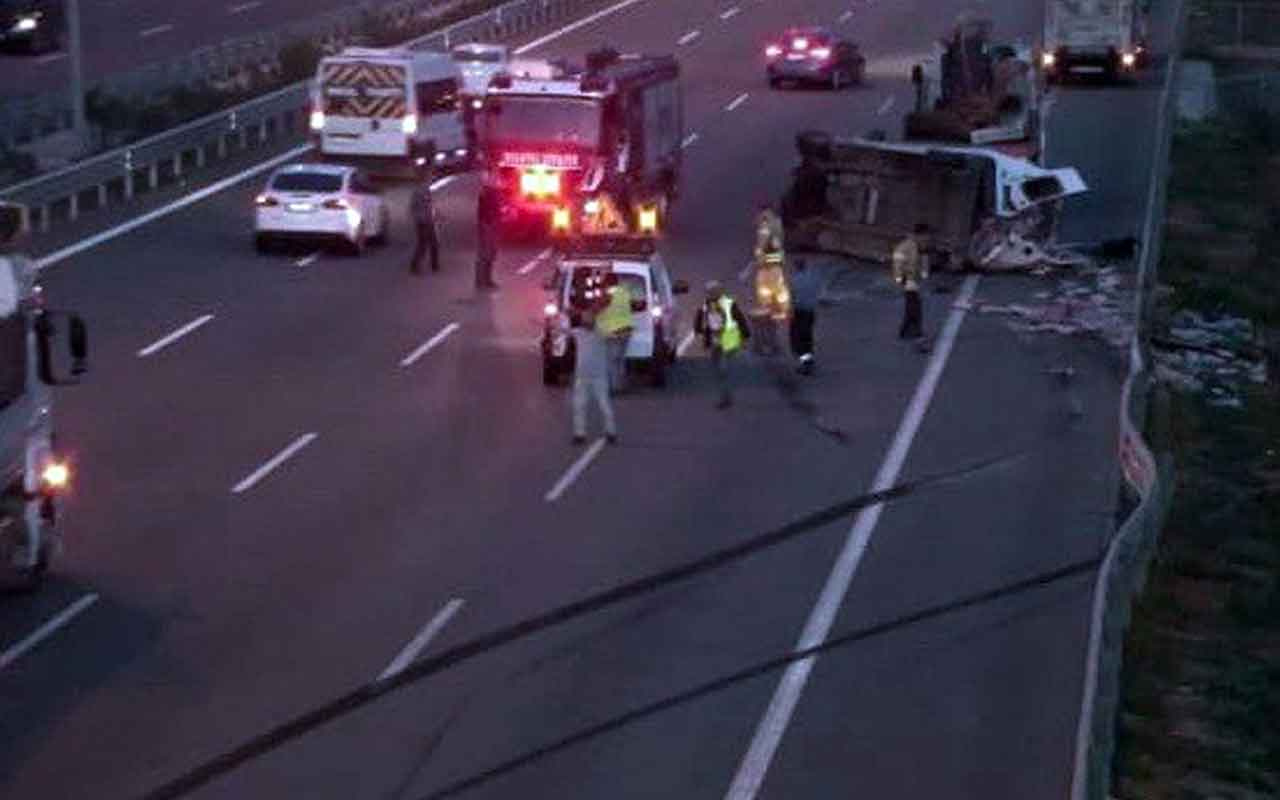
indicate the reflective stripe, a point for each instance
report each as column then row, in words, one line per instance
column 731, row 335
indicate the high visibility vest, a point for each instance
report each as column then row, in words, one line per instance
column 617, row 315
column 730, row 333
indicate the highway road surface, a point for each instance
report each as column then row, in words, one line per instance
column 301, row 472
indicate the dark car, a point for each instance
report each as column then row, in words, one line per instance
column 814, row 55
column 30, row 26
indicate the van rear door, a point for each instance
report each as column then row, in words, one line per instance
column 365, row 108
column 440, row 116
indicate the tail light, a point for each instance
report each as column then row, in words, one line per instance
column 336, row 204
column 477, row 104
column 317, row 120
column 820, row 53
column 409, row 124
column 539, row 182
column 773, row 51
column 266, row 201
column 550, row 310
column 55, row 477
column 1128, row 59
column 648, row 220
column 800, row 43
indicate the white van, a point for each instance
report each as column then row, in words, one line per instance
column 391, row 107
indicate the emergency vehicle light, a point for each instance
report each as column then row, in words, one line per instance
column 550, row 309
column 1128, row 59
column 821, row 53
column 1048, row 59
column 648, row 219
column 800, row 44
column 55, row 476
column 773, row 51
column 317, row 120
column 539, row 182
column 591, row 206
column 409, row 124
column 560, row 219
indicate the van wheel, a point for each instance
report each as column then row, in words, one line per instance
column 262, row 244
column 384, row 230
column 357, row 246
column 658, row 365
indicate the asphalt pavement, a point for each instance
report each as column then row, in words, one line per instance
column 406, row 508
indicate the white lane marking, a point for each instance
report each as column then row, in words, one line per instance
column 151, row 216
column 730, row 13
column 845, row 17
column 49, row 58
column 573, row 26
column 240, row 8
column 158, row 29
column 424, row 637
column 737, row 101
column 276, row 460
column 764, row 744
column 886, row 105
column 307, row 261
column 439, row 184
column 533, row 263
column 684, row 344
column 17, row 651
column 575, row 470
column 689, row 140
column 165, row 341
column 689, row 37
column 430, row 344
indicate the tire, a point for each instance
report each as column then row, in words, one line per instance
column 262, row 244
column 774, row 83
column 658, row 363
column 836, row 79
column 357, row 246
column 23, row 581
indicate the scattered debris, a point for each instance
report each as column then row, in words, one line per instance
column 1215, row 357
column 1101, row 307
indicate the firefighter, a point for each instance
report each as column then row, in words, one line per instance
column 423, row 214
column 773, row 298
column 614, row 323
column 488, row 218
column 723, row 328
column 910, row 268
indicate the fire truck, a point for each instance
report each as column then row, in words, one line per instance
column 550, row 140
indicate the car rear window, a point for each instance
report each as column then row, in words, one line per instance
column 307, row 182
column 477, row 57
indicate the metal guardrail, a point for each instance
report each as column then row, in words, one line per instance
column 1242, row 94
column 118, row 174
column 1122, row 576
column 1235, row 23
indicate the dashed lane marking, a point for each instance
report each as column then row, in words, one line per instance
column 165, row 341
column 737, row 101
column 575, row 471
column 275, row 461
column 61, row 619
column 419, row 643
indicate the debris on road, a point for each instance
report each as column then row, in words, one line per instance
column 1215, row 357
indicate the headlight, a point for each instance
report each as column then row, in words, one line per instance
column 550, row 310
column 1128, row 59
column 1048, row 59
column 26, row 25
column 55, row 476
column 317, row 120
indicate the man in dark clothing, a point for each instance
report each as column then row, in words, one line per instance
column 806, row 286
column 488, row 213
column 423, row 214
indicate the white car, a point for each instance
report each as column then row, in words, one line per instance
column 327, row 202
column 657, row 321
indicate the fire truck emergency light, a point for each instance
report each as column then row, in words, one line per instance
column 539, row 182
column 648, row 220
column 560, row 219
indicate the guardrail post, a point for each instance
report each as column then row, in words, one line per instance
column 177, row 164
column 222, row 145
column 25, row 212
column 44, row 219
column 153, row 175
column 200, row 156
column 128, row 174
column 102, row 195
column 262, row 132
column 73, row 207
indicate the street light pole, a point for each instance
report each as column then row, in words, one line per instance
column 78, row 123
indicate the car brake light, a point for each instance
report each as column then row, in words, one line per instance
column 266, row 200
column 820, row 53
column 55, row 476
column 773, row 51
column 317, row 120
column 336, row 204
column 409, row 124
column 799, row 44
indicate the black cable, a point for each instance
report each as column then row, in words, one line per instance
column 358, row 698
column 755, row 671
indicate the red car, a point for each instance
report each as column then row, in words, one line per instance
column 813, row 55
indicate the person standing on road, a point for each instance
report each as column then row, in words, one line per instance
column 615, row 325
column 422, row 212
column 591, row 379
column 723, row 328
column 806, row 286
column 488, row 214
column 910, row 268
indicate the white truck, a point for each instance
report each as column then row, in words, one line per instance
column 36, row 473
column 1100, row 37
column 389, row 109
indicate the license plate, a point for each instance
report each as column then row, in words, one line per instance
column 795, row 56
column 301, row 208
column 1091, row 70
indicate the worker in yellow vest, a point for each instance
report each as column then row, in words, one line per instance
column 773, row 296
column 723, row 328
column 614, row 323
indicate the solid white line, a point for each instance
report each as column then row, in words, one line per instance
column 737, row 101
column 730, row 13
column 424, row 637
column 768, row 736
column 46, row 630
column 153, row 31
column 243, row 7
column 573, row 26
column 165, row 341
column 684, row 344
column 571, row 475
column 150, row 216
column 846, row 16
column 886, row 105
column 49, row 58
column 533, row 263
column 276, row 460
column 688, row 140
column 430, row 344
column 688, row 37
column 307, row 261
